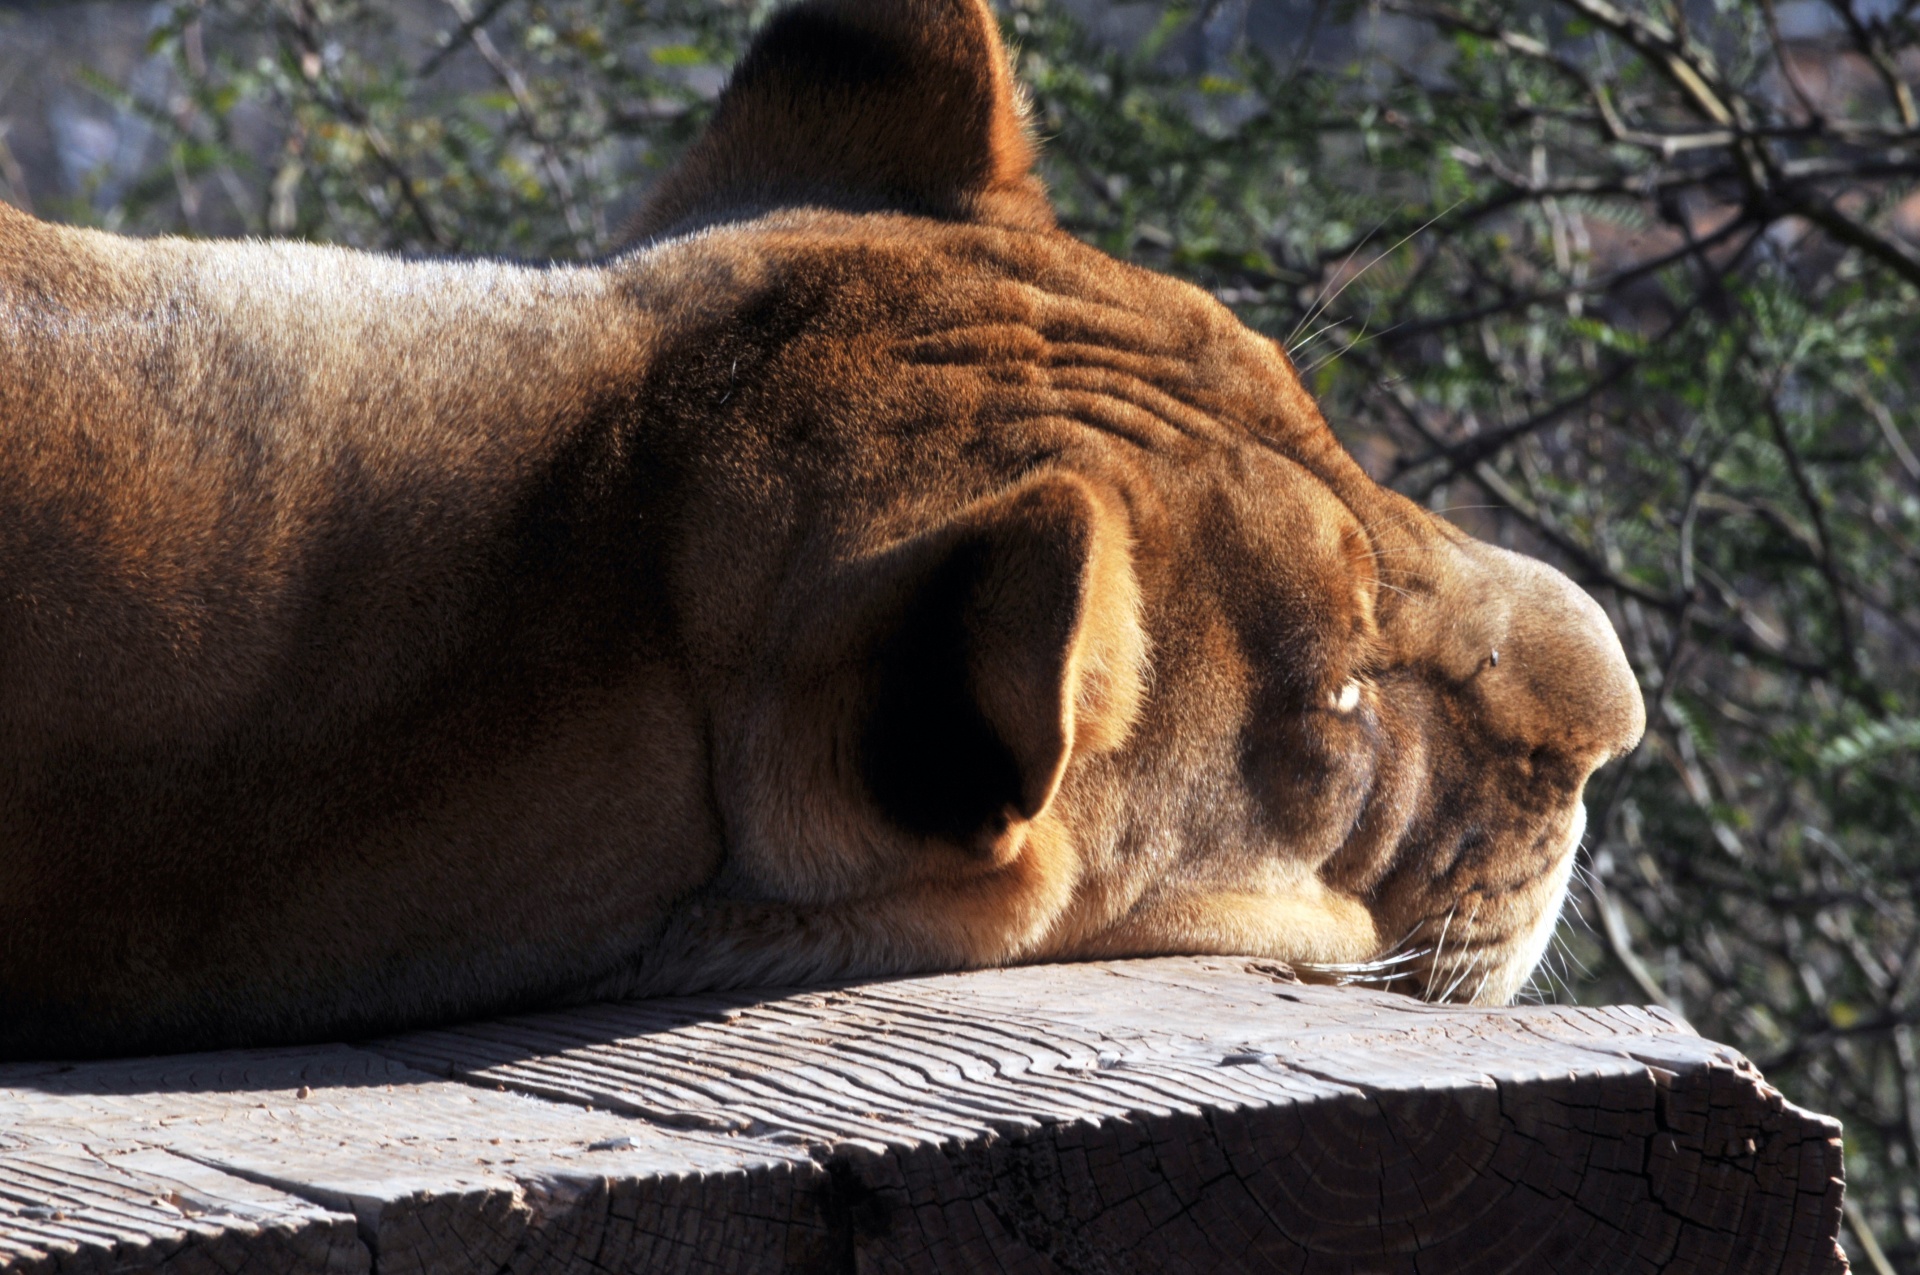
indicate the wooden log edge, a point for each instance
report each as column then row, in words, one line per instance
column 1182, row 1114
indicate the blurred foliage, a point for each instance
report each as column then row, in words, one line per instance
column 1633, row 288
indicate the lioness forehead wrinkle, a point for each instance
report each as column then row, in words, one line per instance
column 858, row 576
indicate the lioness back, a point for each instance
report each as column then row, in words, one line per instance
column 857, row 576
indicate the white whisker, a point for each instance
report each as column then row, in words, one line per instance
column 1466, row 967
column 1350, row 980
column 1439, row 950
column 1313, row 311
column 1320, row 308
column 1356, row 966
column 1467, row 964
column 1294, row 350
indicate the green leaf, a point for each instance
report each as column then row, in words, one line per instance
column 676, row 55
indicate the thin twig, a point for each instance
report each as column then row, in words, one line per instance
column 1817, row 511
column 302, row 21
column 1869, row 1246
column 459, row 37
column 516, row 86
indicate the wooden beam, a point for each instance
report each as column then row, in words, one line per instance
column 1202, row 1114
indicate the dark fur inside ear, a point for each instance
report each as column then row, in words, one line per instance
column 933, row 762
column 1021, row 636
column 862, row 105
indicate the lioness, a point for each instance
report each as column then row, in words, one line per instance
column 858, row 576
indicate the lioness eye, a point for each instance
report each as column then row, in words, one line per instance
column 1346, row 698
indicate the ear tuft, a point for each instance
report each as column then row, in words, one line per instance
column 1019, row 648
column 905, row 105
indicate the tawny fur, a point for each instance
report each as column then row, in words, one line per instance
column 859, row 576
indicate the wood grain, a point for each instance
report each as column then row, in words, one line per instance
column 1166, row 1115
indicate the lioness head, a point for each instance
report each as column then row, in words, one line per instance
column 1084, row 633
column 857, row 575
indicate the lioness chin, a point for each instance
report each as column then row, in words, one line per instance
column 857, row 576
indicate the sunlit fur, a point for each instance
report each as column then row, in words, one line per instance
column 856, row 576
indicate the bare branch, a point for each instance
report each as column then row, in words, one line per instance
column 1872, row 45
column 457, row 39
column 304, row 24
column 1685, row 64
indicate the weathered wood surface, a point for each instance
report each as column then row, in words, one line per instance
column 1167, row 1115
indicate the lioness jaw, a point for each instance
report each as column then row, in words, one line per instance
column 856, row 576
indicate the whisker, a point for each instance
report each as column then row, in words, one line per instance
column 1578, row 913
column 1349, row 966
column 1400, row 943
column 1313, row 310
column 1568, row 954
column 1315, row 336
column 1402, row 519
column 1440, row 948
column 1555, row 971
column 1321, row 307
column 1364, row 337
column 1467, row 963
column 1350, row 980
column 1466, row 968
column 1324, row 359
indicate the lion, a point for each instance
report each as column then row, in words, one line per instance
column 855, row 576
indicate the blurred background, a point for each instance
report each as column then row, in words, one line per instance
column 1633, row 285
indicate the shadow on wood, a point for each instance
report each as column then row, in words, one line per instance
column 1184, row 1114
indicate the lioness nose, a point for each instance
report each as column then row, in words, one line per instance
column 1549, row 662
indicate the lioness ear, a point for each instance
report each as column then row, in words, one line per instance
column 1020, row 645
column 863, row 104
